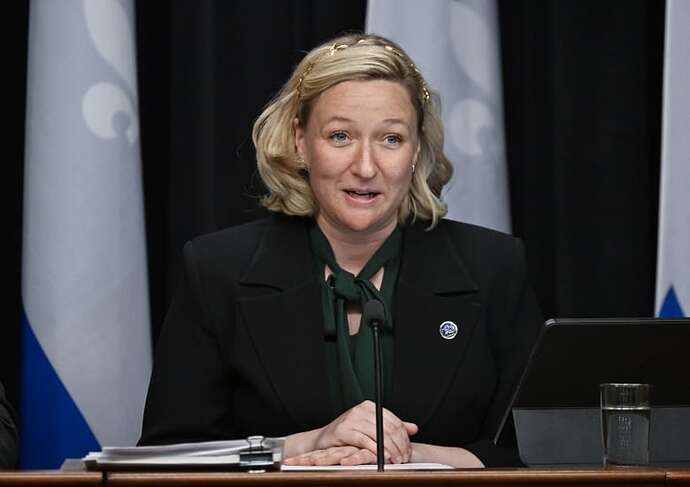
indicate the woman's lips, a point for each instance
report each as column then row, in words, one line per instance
column 362, row 195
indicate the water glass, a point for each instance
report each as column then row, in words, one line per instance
column 625, row 418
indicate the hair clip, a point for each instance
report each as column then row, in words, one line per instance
column 301, row 78
column 339, row 47
column 335, row 47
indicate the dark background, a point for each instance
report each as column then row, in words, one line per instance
column 582, row 90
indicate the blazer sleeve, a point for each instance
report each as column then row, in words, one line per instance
column 189, row 393
column 8, row 433
column 514, row 320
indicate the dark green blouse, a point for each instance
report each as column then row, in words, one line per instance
column 351, row 358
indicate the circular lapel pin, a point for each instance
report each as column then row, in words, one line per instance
column 448, row 330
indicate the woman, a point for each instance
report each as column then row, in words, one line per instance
column 263, row 336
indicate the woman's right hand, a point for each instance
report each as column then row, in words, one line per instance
column 357, row 427
column 335, row 455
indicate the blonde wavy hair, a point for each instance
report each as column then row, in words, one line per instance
column 346, row 58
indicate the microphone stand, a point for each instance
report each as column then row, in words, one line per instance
column 373, row 310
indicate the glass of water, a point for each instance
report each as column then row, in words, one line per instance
column 625, row 415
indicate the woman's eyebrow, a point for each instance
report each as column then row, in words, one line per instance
column 337, row 118
column 392, row 121
column 387, row 121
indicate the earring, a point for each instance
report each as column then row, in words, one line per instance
column 302, row 165
column 414, row 164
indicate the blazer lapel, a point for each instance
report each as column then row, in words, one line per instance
column 285, row 321
column 434, row 286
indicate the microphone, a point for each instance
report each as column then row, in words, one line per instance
column 374, row 316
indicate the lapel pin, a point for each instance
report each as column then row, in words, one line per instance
column 448, row 330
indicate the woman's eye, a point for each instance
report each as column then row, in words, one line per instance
column 339, row 137
column 393, row 139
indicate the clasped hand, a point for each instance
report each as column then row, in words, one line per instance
column 350, row 439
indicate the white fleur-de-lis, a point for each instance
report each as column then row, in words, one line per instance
column 468, row 118
column 481, row 69
column 112, row 35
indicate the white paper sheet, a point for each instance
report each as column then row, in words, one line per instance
column 392, row 467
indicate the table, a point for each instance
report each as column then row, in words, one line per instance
column 623, row 477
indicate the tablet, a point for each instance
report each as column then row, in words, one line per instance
column 571, row 357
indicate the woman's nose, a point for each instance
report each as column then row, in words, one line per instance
column 364, row 163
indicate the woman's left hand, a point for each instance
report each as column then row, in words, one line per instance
column 336, row 455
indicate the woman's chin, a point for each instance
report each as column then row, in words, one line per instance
column 363, row 226
column 356, row 223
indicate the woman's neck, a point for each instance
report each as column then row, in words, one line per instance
column 352, row 250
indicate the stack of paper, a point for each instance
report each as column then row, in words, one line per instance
column 254, row 453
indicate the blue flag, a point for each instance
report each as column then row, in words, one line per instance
column 86, row 357
column 673, row 270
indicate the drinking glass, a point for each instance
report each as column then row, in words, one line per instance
column 625, row 418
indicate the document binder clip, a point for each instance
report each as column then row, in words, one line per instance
column 262, row 453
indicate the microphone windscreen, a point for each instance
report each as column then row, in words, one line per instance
column 373, row 312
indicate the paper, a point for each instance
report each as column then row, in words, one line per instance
column 200, row 448
column 255, row 452
column 391, row 467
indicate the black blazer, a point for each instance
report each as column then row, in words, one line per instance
column 242, row 350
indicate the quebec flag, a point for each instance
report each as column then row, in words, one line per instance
column 86, row 350
column 673, row 270
column 455, row 44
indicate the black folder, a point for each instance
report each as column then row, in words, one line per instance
column 555, row 408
